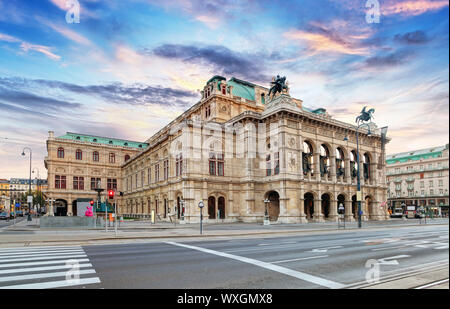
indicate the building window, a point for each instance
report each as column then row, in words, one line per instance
column 216, row 164
column 156, row 172
column 149, row 175
column 431, row 192
column 95, row 156
column 127, row 157
column 220, row 165
column 112, row 158
column 166, row 169
column 142, row 178
column 79, row 154
column 179, row 165
column 268, row 166
column 78, row 183
column 60, row 182
column 431, row 183
column 111, row 184
column 61, row 153
column 276, row 168
column 441, row 183
column 136, row 178
column 95, row 183
column 422, row 184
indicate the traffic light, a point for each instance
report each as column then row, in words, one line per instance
column 111, row 194
column 92, row 203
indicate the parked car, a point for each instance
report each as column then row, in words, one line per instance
column 4, row 216
column 397, row 213
column 19, row 213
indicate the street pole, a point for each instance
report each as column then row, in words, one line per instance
column 200, row 205
column 115, row 214
column 29, row 184
column 358, row 189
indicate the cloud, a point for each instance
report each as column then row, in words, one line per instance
column 70, row 34
column 33, row 101
column 339, row 37
column 411, row 7
column 223, row 60
column 25, row 46
column 391, row 59
column 412, row 38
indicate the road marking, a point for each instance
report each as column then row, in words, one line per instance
column 430, row 284
column 39, row 263
column 325, row 249
column 39, row 254
column 53, row 284
column 392, row 260
column 300, row 259
column 25, row 270
column 45, row 275
column 387, row 248
column 49, row 258
column 276, row 268
column 272, row 244
column 38, row 248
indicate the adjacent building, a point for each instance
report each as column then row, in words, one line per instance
column 78, row 163
column 241, row 152
column 419, row 178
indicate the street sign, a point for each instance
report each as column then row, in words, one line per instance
column 358, row 196
column 29, row 199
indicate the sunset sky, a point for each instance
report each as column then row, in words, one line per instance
column 130, row 67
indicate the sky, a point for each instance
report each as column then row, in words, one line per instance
column 128, row 68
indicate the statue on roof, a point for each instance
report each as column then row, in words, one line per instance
column 278, row 85
column 365, row 115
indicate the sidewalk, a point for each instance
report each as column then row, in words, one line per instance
column 27, row 233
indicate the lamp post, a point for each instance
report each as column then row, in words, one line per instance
column 99, row 190
column 29, row 184
column 358, row 190
column 266, row 213
column 200, row 205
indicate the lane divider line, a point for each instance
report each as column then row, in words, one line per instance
column 286, row 271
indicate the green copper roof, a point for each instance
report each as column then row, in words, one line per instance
column 315, row 111
column 242, row 89
column 216, row 77
column 103, row 140
column 428, row 153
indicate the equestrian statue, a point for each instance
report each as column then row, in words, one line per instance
column 365, row 115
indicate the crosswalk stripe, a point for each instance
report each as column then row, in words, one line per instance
column 32, row 269
column 53, row 284
column 49, row 258
column 37, row 248
column 56, row 253
column 39, row 263
column 41, row 276
column 36, row 252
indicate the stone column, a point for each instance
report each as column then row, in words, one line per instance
column 333, row 216
column 318, row 215
column 348, row 211
column 333, row 168
column 317, row 165
column 347, row 177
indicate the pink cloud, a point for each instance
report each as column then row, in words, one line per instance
column 26, row 46
column 411, row 7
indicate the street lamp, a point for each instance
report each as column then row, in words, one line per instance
column 266, row 213
column 29, row 185
column 99, row 190
column 358, row 190
column 200, row 205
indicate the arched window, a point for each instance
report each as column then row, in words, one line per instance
column 127, row 157
column 61, row 152
column 95, row 156
column 79, row 154
column 353, row 164
column 366, row 166
column 324, row 159
column 263, row 98
column 340, row 164
column 307, row 157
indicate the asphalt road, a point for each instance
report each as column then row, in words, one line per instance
column 333, row 260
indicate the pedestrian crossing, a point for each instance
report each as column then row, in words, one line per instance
column 45, row 268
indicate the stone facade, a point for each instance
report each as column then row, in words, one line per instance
column 419, row 178
column 73, row 160
column 241, row 153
